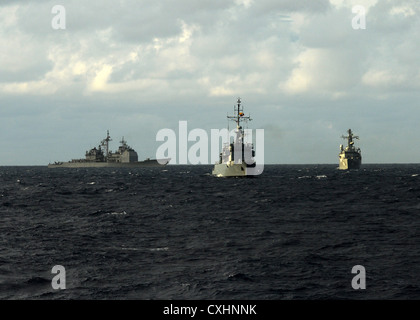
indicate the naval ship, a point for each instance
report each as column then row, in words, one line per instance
column 239, row 166
column 350, row 157
column 101, row 157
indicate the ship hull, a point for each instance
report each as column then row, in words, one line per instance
column 137, row 164
column 350, row 164
column 232, row 170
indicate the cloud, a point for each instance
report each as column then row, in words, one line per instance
column 285, row 46
column 188, row 59
column 382, row 78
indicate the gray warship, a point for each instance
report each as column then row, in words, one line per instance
column 229, row 165
column 102, row 157
column 350, row 157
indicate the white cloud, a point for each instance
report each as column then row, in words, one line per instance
column 322, row 71
column 326, row 57
column 102, row 75
column 404, row 10
column 79, row 68
column 367, row 4
column 8, row 16
column 245, row 3
column 391, row 81
column 302, row 77
column 41, row 87
column 170, row 57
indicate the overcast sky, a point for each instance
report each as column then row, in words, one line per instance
column 134, row 67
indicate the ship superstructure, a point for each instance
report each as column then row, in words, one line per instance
column 350, row 157
column 101, row 156
column 237, row 156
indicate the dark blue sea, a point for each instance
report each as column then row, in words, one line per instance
column 176, row 232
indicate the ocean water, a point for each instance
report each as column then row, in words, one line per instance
column 294, row 232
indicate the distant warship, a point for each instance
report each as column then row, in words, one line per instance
column 229, row 165
column 350, row 157
column 100, row 157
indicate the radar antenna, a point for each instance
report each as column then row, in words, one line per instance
column 350, row 138
column 238, row 118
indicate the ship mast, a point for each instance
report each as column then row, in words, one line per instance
column 105, row 143
column 123, row 142
column 350, row 138
column 240, row 116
